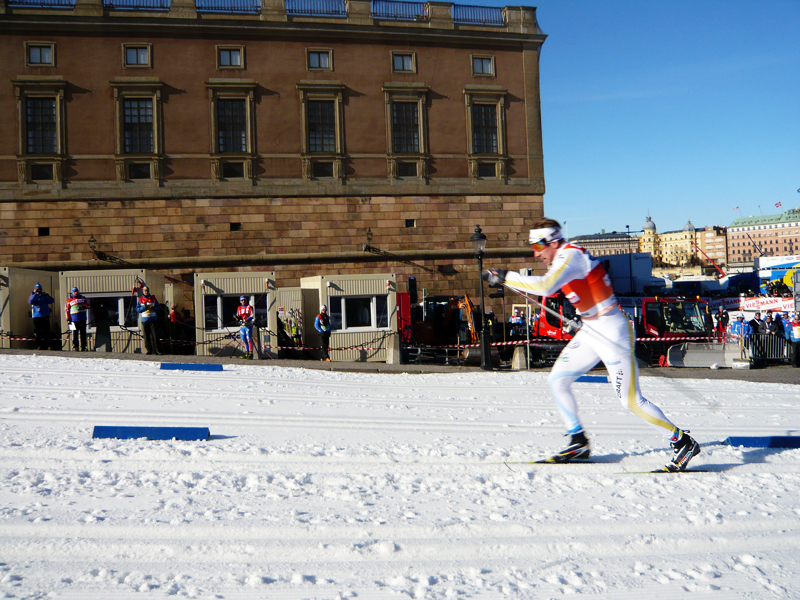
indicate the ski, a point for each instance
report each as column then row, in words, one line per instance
column 662, row 471
column 548, row 461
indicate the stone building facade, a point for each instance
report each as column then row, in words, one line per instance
column 269, row 135
column 608, row 244
column 713, row 243
column 772, row 235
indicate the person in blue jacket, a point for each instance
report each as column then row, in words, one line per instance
column 740, row 328
column 147, row 307
column 40, row 302
column 793, row 327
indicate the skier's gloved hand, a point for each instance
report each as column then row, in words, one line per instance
column 494, row 276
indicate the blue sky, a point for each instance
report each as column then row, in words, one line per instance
column 685, row 109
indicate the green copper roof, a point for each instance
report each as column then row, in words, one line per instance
column 790, row 216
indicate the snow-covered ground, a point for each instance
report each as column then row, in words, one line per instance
column 341, row 485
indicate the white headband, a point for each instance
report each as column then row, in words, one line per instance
column 546, row 235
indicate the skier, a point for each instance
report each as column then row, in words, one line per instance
column 323, row 324
column 246, row 316
column 605, row 335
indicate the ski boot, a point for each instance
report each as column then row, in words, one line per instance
column 578, row 450
column 684, row 448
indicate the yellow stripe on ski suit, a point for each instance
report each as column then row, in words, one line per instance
column 633, row 405
column 541, row 286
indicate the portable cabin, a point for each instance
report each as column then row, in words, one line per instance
column 16, row 324
column 363, row 313
column 216, row 297
column 113, row 323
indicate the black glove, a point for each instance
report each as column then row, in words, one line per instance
column 494, row 276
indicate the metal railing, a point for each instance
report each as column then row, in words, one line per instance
column 316, row 8
column 763, row 346
column 41, row 3
column 478, row 15
column 399, row 11
column 137, row 4
column 250, row 7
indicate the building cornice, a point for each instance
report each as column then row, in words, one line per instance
column 243, row 28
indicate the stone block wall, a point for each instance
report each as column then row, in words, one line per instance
column 134, row 230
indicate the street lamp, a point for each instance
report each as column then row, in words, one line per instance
column 630, row 260
column 100, row 255
column 478, row 240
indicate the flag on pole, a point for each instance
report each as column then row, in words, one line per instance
column 778, row 204
column 735, row 209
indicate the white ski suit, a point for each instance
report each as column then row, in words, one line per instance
column 606, row 334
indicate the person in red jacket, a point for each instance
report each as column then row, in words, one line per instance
column 76, row 313
column 246, row 316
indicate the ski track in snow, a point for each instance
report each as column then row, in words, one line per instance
column 344, row 485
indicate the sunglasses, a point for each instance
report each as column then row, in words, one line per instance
column 538, row 246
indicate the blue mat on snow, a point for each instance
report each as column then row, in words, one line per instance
column 189, row 367
column 773, row 441
column 592, row 379
column 151, row 433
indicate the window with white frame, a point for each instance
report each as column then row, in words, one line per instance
column 219, row 310
column 114, row 310
column 353, row 313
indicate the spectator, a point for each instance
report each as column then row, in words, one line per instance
column 721, row 319
column 516, row 318
column 786, row 321
column 794, row 337
column 246, row 316
column 146, row 307
column 773, row 326
column 323, row 324
column 175, row 329
column 757, row 324
column 174, row 316
column 740, row 329
column 775, row 337
column 759, row 328
column 40, row 302
column 76, row 313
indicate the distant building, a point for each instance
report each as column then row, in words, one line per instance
column 607, row 244
column 767, row 235
column 677, row 247
column 650, row 241
column 713, row 242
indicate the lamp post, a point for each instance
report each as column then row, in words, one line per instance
column 478, row 240
column 630, row 261
column 100, row 255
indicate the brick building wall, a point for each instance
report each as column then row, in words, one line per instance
column 178, row 229
column 188, row 217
